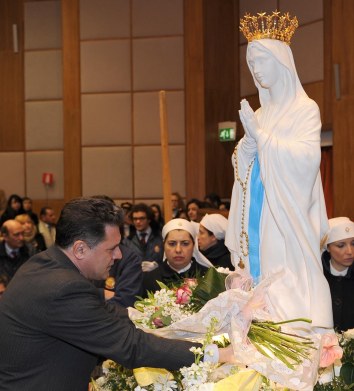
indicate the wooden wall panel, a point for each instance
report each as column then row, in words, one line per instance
column 71, row 99
column 343, row 113
column 194, row 98
column 221, row 90
column 11, row 77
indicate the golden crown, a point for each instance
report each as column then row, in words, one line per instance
column 274, row 26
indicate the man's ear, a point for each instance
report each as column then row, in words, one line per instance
column 79, row 249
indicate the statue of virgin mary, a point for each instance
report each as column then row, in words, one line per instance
column 278, row 216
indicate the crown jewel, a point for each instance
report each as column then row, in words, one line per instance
column 274, row 26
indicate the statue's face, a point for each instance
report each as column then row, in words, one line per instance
column 265, row 68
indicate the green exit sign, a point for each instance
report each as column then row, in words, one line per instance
column 227, row 131
column 227, row 134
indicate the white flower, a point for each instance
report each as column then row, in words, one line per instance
column 349, row 334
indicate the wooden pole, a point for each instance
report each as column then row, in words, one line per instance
column 166, row 174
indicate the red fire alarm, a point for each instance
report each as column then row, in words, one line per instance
column 47, row 178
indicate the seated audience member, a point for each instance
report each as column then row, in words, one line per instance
column 156, row 210
column 125, row 281
column 14, row 207
column 177, row 204
column 27, row 207
column 128, row 223
column 3, row 201
column 212, row 229
column 193, row 207
column 146, row 240
column 338, row 268
column 13, row 250
column 212, row 200
column 54, row 325
column 3, row 284
column 46, row 225
column 182, row 214
column 182, row 258
column 225, row 205
column 31, row 235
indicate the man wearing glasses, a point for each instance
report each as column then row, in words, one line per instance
column 146, row 239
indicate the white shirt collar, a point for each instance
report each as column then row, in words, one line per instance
column 337, row 273
column 182, row 270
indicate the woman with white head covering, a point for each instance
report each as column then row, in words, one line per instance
column 337, row 260
column 182, row 259
column 212, row 229
column 278, row 216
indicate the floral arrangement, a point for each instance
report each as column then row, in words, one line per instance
column 176, row 304
column 341, row 374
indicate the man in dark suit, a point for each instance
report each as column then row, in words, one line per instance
column 53, row 322
column 13, row 250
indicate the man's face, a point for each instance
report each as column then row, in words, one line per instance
column 140, row 221
column 14, row 238
column 49, row 217
column 174, row 201
column 98, row 260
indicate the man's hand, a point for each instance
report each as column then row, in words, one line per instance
column 147, row 266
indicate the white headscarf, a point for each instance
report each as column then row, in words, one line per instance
column 185, row 225
column 340, row 228
column 215, row 223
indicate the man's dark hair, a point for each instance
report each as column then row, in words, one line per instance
column 86, row 219
column 43, row 210
column 143, row 208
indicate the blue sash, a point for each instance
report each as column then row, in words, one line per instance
column 255, row 211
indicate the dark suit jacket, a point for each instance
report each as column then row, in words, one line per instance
column 128, row 276
column 54, row 326
column 9, row 266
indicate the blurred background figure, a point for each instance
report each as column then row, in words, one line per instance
column 13, row 250
column 193, row 207
column 212, row 229
column 46, row 225
column 13, row 208
column 3, row 284
column 3, row 201
column 182, row 214
column 338, row 269
column 27, row 207
column 212, row 200
column 177, row 204
column 32, row 237
column 128, row 223
column 156, row 210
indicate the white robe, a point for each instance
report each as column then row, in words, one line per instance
column 293, row 219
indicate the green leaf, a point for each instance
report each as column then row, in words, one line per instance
column 347, row 373
column 209, row 287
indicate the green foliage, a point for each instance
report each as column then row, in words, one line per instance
column 209, row 287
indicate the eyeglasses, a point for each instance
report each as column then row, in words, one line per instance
column 139, row 218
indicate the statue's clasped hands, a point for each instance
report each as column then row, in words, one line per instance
column 249, row 120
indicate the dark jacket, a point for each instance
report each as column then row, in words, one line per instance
column 54, row 325
column 128, row 278
column 8, row 265
column 151, row 251
column 342, row 292
column 219, row 255
column 168, row 276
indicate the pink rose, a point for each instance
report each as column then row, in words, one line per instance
column 183, row 295
column 331, row 350
column 191, row 282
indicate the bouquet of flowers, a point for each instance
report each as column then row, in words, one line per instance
column 272, row 352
